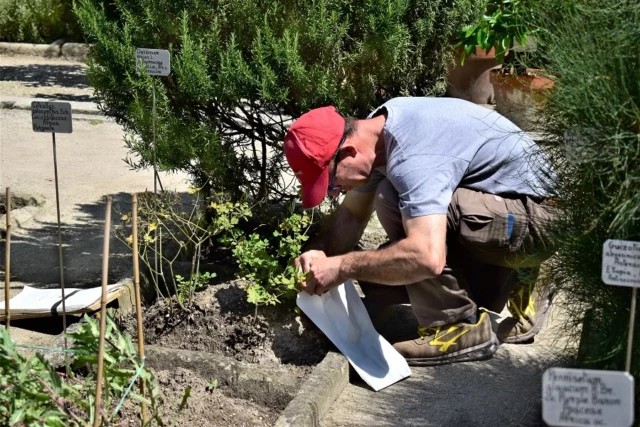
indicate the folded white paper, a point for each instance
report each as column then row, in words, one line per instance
column 34, row 300
column 341, row 315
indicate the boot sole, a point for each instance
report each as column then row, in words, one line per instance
column 541, row 323
column 480, row 352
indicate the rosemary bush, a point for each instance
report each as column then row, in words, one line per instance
column 242, row 68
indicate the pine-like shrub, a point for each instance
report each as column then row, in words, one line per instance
column 242, row 68
column 592, row 122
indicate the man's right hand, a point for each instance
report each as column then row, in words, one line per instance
column 303, row 263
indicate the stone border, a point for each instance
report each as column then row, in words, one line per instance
column 317, row 394
column 57, row 49
column 268, row 385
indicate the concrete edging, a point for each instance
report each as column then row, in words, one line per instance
column 317, row 394
column 24, row 103
column 271, row 386
column 57, row 49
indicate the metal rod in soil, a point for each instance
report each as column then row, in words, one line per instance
column 7, row 262
column 136, row 286
column 632, row 321
column 61, row 263
column 103, row 311
column 155, row 179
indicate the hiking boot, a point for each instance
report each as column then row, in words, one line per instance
column 459, row 342
column 529, row 307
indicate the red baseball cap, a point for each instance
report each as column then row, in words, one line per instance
column 309, row 145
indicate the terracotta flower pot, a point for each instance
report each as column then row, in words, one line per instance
column 471, row 81
column 519, row 97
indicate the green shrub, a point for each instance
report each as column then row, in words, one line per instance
column 242, row 68
column 38, row 21
column 592, row 121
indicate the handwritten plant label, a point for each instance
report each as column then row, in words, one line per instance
column 581, row 397
column 621, row 263
column 157, row 61
column 51, row 117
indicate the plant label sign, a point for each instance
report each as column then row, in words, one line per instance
column 582, row 397
column 621, row 263
column 51, row 117
column 157, row 61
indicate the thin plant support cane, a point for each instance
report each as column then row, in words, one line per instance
column 632, row 321
column 7, row 262
column 103, row 312
column 136, row 285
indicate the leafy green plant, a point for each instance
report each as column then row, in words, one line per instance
column 241, row 69
column 33, row 393
column 186, row 287
column 500, row 28
column 267, row 263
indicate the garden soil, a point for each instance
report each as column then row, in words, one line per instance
column 223, row 322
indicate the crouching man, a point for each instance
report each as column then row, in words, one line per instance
column 464, row 197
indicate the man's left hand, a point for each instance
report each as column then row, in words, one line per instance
column 324, row 275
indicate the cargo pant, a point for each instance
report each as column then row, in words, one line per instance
column 491, row 242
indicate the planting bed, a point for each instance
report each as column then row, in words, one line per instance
column 223, row 327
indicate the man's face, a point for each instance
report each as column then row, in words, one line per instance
column 350, row 171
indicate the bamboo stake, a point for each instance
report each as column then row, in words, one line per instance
column 7, row 262
column 103, row 311
column 136, row 285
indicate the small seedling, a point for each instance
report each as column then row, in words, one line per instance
column 212, row 385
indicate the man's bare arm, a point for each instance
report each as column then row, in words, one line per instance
column 421, row 255
column 344, row 228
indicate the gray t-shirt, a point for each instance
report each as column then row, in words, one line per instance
column 434, row 145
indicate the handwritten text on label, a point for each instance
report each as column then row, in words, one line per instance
column 157, row 61
column 621, row 263
column 51, row 117
column 581, row 397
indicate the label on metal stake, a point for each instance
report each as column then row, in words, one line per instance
column 583, row 397
column 157, row 61
column 51, row 117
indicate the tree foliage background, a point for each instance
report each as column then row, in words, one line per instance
column 242, row 68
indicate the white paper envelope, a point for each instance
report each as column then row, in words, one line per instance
column 341, row 315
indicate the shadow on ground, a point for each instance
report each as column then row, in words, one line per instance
column 37, row 75
column 34, row 250
column 64, row 97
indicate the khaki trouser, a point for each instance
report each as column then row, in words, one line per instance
column 491, row 242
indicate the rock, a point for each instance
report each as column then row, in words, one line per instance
column 75, row 51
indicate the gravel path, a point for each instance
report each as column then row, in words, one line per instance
column 44, row 78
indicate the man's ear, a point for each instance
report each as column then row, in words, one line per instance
column 348, row 149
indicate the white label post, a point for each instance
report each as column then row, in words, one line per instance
column 621, row 267
column 581, row 397
column 157, row 62
column 55, row 117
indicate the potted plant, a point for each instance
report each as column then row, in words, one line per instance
column 518, row 90
column 469, row 76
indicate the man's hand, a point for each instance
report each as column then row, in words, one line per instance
column 324, row 275
column 321, row 273
column 303, row 263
